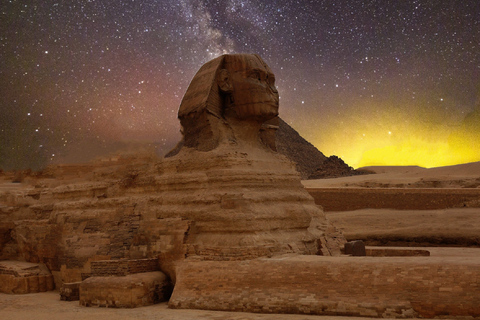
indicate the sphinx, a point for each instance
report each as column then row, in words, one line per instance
column 243, row 200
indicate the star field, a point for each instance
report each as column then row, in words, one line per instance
column 83, row 78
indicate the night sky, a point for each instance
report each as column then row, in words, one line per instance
column 374, row 82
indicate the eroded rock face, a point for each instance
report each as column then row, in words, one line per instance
column 240, row 195
column 131, row 291
column 223, row 194
column 23, row 277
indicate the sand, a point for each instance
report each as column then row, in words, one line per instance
column 47, row 306
column 458, row 176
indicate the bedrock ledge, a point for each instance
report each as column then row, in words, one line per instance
column 394, row 287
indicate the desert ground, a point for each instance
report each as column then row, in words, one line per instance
column 386, row 226
column 47, row 306
column 457, row 226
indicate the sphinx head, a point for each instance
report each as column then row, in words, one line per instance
column 237, row 88
column 249, row 88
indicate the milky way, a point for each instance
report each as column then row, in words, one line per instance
column 81, row 78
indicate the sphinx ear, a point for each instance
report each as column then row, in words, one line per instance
column 224, row 82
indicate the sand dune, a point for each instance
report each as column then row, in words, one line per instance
column 461, row 170
column 457, row 176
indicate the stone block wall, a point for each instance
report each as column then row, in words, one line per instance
column 142, row 265
column 70, row 291
column 124, row 284
column 230, row 254
column 346, row 199
column 106, row 268
column 22, row 285
column 22, row 277
column 109, row 268
column 340, row 286
column 140, row 289
column 396, row 252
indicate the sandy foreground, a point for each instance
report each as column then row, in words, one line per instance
column 47, row 306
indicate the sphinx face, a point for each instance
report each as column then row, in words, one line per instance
column 254, row 95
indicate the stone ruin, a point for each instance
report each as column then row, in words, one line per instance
column 247, row 200
column 223, row 194
column 224, row 220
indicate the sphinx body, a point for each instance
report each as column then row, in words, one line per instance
column 243, row 199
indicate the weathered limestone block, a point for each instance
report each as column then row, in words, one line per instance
column 140, row 289
column 396, row 252
column 23, row 277
column 355, row 248
column 90, row 190
column 338, row 286
column 109, row 268
column 70, row 291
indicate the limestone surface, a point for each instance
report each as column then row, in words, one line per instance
column 140, row 289
column 22, row 277
column 337, row 286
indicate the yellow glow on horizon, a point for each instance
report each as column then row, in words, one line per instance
column 415, row 152
column 398, row 138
